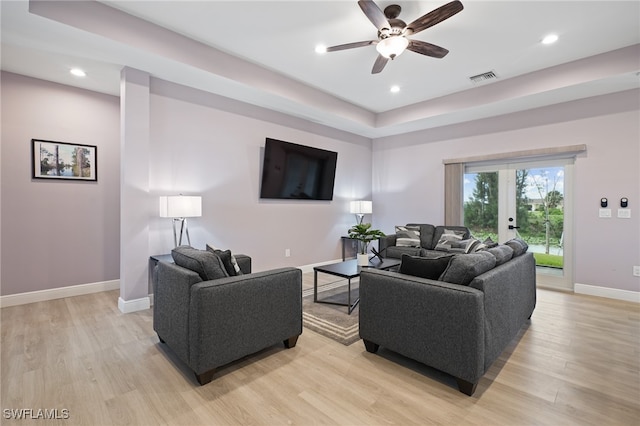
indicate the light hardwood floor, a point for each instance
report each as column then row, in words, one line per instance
column 577, row 362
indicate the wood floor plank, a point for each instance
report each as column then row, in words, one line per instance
column 576, row 362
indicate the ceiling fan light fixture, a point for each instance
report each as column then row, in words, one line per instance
column 392, row 46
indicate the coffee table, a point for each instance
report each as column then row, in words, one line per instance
column 348, row 270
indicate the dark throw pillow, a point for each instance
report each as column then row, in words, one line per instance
column 424, row 267
column 518, row 245
column 489, row 243
column 228, row 260
column 206, row 264
column 502, row 253
column 225, row 256
column 463, row 268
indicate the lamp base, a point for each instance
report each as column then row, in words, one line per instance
column 183, row 230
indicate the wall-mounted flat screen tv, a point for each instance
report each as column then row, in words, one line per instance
column 292, row 171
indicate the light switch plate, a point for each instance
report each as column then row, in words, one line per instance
column 624, row 213
column 605, row 213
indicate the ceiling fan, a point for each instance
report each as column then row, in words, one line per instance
column 393, row 32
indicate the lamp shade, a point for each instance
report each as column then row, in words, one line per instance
column 361, row 207
column 180, row 206
column 392, row 46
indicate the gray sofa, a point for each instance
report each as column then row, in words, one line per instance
column 211, row 322
column 459, row 328
column 429, row 238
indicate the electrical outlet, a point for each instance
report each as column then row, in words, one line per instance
column 636, row 271
column 287, row 252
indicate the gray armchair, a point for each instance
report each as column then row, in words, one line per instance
column 211, row 323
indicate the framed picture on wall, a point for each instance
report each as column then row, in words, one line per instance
column 61, row 160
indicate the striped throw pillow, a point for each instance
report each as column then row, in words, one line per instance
column 408, row 236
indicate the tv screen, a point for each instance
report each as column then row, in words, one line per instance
column 292, row 171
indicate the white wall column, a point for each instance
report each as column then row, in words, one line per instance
column 135, row 203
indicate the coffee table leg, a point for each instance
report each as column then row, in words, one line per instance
column 315, row 286
column 350, row 307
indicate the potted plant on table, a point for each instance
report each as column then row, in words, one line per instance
column 364, row 234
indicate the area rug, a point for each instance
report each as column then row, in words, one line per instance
column 332, row 321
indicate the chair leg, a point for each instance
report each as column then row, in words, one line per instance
column 370, row 346
column 290, row 342
column 465, row 387
column 205, row 377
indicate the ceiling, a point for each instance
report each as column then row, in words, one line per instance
column 262, row 52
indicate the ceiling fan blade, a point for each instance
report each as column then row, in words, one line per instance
column 351, row 45
column 434, row 17
column 375, row 15
column 379, row 64
column 428, row 49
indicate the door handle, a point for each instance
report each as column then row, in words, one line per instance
column 513, row 227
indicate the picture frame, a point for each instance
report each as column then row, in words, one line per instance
column 63, row 161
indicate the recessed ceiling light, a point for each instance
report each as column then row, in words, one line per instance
column 550, row 39
column 321, row 49
column 78, row 72
column 395, row 89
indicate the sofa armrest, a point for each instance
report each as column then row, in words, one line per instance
column 437, row 323
column 236, row 316
column 509, row 300
column 244, row 262
column 171, row 294
column 386, row 241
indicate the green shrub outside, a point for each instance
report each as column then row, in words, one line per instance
column 535, row 236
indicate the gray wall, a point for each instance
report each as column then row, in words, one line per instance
column 408, row 182
column 200, row 145
column 57, row 233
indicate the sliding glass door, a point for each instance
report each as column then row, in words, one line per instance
column 526, row 200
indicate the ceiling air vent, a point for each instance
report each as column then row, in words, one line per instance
column 485, row 76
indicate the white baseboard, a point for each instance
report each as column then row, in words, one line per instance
column 128, row 306
column 309, row 268
column 611, row 293
column 57, row 293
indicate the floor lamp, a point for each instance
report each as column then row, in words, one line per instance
column 179, row 208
